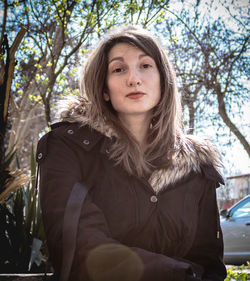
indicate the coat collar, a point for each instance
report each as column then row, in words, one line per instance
column 194, row 155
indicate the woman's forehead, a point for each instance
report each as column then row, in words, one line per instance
column 121, row 50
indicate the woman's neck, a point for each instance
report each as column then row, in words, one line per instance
column 138, row 126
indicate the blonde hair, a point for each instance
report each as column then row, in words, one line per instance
column 165, row 131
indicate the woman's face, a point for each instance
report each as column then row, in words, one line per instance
column 133, row 81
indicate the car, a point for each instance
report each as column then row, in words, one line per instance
column 235, row 225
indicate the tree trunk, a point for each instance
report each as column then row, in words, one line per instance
column 228, row 122
column 8, row 72
column 191, row 112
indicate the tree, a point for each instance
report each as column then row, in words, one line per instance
column 212, row 65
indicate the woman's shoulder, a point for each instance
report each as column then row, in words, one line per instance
column 199, row 151
column 78, row 110
column 193, row 155
column 69, row 130
column 202, row 155
column 70, row 137
column 75, row 124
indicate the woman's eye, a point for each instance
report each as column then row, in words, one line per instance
column 146, row 65
column 117, row 70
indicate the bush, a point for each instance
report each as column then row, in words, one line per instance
column 237, row 274
column 21, row 231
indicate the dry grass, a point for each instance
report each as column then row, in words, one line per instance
column 18, row 179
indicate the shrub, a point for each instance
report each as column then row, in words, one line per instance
column 21, row 230
column 237, row 274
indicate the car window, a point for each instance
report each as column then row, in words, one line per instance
column 242, row 210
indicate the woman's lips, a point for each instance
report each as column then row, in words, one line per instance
column 135, row 95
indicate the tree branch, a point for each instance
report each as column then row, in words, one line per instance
column 4, row 22
column 228, row 122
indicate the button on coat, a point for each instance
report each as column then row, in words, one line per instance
column 153, row 199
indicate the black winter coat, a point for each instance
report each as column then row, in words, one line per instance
column 131, row 228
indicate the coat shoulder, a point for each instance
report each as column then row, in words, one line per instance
column 204, row 157
column 72, row 133
column 194, row 154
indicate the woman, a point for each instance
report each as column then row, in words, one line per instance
column 125, row 194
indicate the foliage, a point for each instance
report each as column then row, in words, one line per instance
column 21, row 228
column 237, row 274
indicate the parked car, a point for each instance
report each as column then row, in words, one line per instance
column 235, row 224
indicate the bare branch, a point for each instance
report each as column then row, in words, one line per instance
column 233, row 62
column 4, row 21
column 141, row 9
column 227, row 120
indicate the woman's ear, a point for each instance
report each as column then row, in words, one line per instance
column 106, row 97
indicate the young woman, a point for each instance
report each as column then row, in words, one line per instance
column 125, row 194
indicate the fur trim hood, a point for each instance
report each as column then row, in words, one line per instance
column 194, row 155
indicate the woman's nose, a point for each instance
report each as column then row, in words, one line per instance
column 134, row 78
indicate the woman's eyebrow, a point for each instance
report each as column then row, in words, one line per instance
column 143, row 55
column 122, row 59
column 116, row 58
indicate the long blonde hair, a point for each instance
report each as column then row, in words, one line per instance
column 165, row 132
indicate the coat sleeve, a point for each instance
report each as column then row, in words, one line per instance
column 207, row 249
column 98, row 256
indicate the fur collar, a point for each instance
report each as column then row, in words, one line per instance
column 193, row 154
